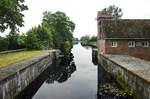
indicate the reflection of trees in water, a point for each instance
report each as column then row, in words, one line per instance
column 86, row 47
column 59, row 72
column 62, row 72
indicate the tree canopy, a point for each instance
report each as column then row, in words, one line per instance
column 116, row 11
column 39, row 38
column 87, row 40
column 11, row 14
column 62, row 29
column 56, row 31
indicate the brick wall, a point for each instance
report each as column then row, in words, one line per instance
column 101, row 46
column 98, row 31
column 122, row 48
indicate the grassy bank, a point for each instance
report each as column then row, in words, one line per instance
column 11, row 58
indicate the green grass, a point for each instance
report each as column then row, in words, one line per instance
column 11, row 58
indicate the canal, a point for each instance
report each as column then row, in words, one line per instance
column 74, row 78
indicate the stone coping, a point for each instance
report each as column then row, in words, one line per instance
column 12, row 51
column 12, row 69
column 137, row 66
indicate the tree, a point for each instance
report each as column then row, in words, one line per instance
column 10, row 14
column 39, row 38
column 44, row 36
column 32, row 40
column 62, row 29
column 93, row 38
column 13, row 41
column 3, row 44
column 85, row 38
column 22, row 41
column 116, row 11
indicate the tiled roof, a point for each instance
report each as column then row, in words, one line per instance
column 125, row 28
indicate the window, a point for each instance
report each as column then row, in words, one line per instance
column 145, row 44
column 113, row 44
column 131, row 44
column 139, row 44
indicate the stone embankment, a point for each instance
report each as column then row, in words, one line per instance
column 133, row 72
column 17, row 76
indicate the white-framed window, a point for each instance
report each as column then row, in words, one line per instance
column 145, row 44
column 131, row 44
column 113, row 44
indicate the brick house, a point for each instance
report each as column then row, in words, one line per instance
column 123, row 36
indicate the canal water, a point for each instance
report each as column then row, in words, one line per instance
column 74, row 78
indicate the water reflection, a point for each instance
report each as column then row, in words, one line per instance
column 75, row 77
column 60, row 72
column 64, row 70
column 94, row 58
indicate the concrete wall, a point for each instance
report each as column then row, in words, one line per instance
column 21, row 74
column 129, row 78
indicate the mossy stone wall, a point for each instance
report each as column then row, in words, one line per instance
column 131, row 81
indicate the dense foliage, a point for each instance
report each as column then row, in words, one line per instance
column 116, row 11
column 87, row 40
column 39, row 38
column 10, row 14
column 56, row 31
column 12, row 42
column 3, row 44
column 62, row 29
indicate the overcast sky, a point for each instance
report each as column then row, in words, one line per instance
column 83, row 12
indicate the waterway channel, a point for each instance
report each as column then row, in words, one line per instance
column 74, row 78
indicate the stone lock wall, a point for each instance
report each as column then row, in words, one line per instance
column 19, row 75
column 132, row 80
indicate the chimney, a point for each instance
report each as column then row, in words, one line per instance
column 104, row 15
column 101, row 15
